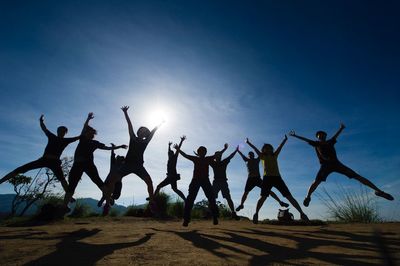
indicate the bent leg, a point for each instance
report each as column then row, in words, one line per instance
column 163, row 183
column 177, row 191
column 39, row 163
column 275, row 197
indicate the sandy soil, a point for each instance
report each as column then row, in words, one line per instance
column 134, row 241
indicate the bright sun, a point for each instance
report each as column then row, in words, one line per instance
column 157, row 116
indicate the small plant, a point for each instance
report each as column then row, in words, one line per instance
column 114, row 213
column 161, row 200
column 351, row 206
column 175, row 209
column 134, row 211
column 80, row 211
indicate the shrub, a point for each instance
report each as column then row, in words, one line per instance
column 80, row 210
column 351, row 206
column 114, row 212
column 134, row 211
column 161, row 200
column 176, row 209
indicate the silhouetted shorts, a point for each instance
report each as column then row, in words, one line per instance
column 328, row 168
column 221, row 185
column 137, row 169
column 252, row 182
column 274, row 181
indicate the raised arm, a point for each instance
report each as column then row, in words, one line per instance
column 242, row 155
column 253, row 147
column 293, row 134
column 154, row 131
column 232, row 154
column 342, row 126
column 278, row 150
column 189, row 157
column 180, row 145
column 43, row 126
column 128, row 120
column 86, row 124
column 224, row 149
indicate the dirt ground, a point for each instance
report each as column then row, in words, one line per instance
column 134, row 241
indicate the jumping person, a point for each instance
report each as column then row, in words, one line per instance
column 51, row 156
column 220, row 182
column 116, row 162
column 200, row 179
column 134, row 157
column 172, row 174
column 254, row 179
column 272, row 177
column 83, row 160
column 330, row 163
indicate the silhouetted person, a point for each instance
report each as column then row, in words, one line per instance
column 254, row 179
column 172, row 174
column 83, row 160
column 330, row 163
column 272, row 177
column 220, row 182
column 116, row 162
column 200, row 179
column 51, row 156
column 134, row 159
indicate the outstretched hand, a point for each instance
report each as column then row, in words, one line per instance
column 292, row 133
column 169, row 144
column 247, row 140
column 226, row 145
column 41, row 119
column 183, row 137
column 125, row 108
column 342, row 125
column 90, row 116
column 237, row 148
column 176, row 146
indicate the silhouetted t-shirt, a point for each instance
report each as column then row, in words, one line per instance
column 219, row 169
column 325, row 150
column 56, row 145
column 270, row 164
column 171, row 165
column 86, row 147
column 201, row 166
column 136, row 151
column 253, row 168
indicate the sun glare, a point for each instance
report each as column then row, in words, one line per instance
column 157, row 116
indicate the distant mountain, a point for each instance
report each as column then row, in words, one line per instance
column 6, row 200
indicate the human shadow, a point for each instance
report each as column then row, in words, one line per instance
column 306, row 245
column 204, row 242
column 70, row 251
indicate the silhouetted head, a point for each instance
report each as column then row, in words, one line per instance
column 251, row 155
column 119, row 159
column 90, row 132
column 62, row 131
column 201, row 151
column 217, row 156
column 143, row 133
column 321, row 135
column 267, row 149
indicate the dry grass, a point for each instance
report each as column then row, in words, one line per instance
column 136, row 241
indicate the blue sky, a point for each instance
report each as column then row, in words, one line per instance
column 219, row 72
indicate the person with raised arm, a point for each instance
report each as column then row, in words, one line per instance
column 254, row 179
column 272, row 177
column 172, row 174
column 84, row 160
column 220, row 182
column 134, row 157
column 200, row 179
column 51, row 156
column 326, row 153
